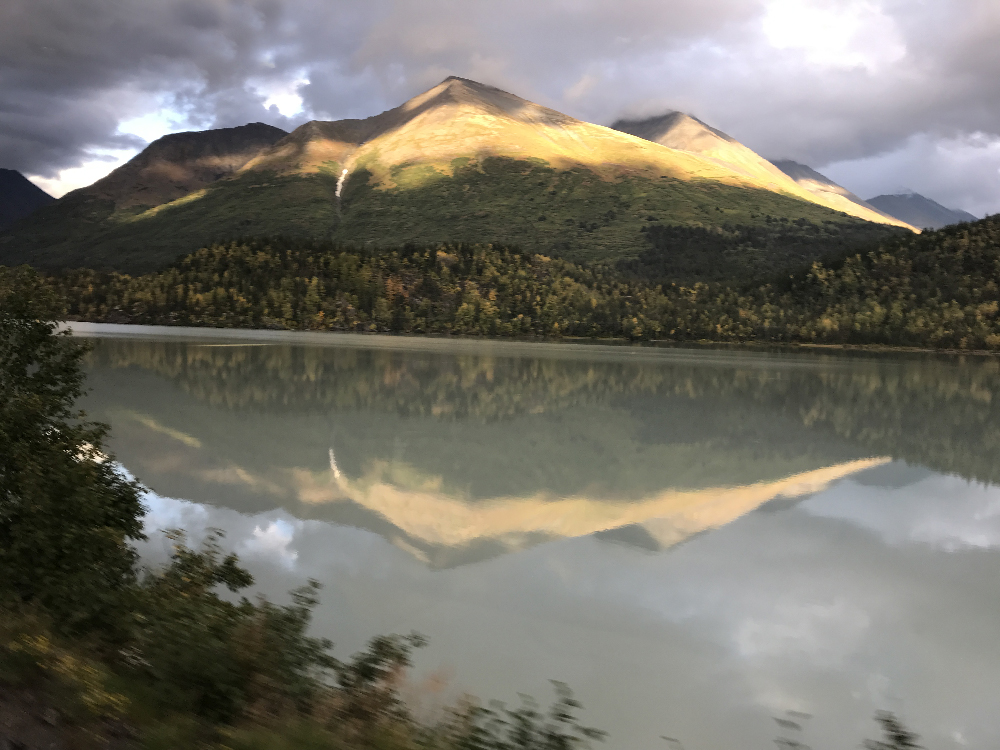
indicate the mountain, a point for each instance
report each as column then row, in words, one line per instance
column 19, row 197
column 825, row 188
column 681, row 131
column 919, row 211
column 461, row 162
column 181, row 163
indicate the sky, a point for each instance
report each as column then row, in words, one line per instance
column 880, row 95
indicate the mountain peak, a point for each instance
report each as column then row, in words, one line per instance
column 455, row 92
column 677, row 130
column 684, row 132
column 458, row 117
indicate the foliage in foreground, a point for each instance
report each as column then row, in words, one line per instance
column 939, row 290
column 201, row 670
column 66, row 514
column 895, row 736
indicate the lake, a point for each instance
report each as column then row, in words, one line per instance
column 699, row 543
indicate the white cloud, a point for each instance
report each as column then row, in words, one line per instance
column 164, row 513
column 823, row 633
column 284, row 95
column 937, row 511
column 87, row 173
column 153, row 125
column 273, row 540
column 834, row 34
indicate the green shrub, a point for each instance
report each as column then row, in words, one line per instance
column 67, row 514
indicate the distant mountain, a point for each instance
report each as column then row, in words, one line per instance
column 19, row 197
column 461, row 162
column 919, row 211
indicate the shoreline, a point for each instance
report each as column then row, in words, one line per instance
column 476, row 344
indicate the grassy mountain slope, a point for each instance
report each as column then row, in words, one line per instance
column 96, row 224
column 462, row 162
column 570, row 213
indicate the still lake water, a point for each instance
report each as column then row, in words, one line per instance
column 697, row 542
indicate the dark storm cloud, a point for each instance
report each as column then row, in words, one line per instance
column 814, row 80
column 71, row 71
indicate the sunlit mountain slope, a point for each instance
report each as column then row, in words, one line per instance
column 680, row 131
column 463, row 119
column 826, row 189
column 460, row 162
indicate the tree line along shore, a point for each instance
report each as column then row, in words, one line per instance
column 939, row 290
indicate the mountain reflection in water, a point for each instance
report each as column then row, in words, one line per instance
column 526, row 486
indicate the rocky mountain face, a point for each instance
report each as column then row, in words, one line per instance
column 462, row 162
column 19, row 197
column 919, row 211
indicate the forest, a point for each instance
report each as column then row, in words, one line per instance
column 938, row 290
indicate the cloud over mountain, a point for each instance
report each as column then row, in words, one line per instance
column 812, row 80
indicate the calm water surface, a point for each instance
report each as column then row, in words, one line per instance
column 696, row 542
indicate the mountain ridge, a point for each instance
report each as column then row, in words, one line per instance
column 462, row 162
column 820, row 184
column 177, row 164
column 919, row 210
column 428, row 128
column 684, row 132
